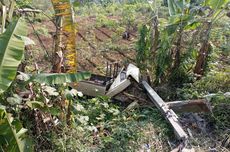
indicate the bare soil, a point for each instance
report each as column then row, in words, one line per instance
column 95, row 45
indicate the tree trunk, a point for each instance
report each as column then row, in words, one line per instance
column 201, row 60
column 155, row 36
column 4, row 15
column 203, row 53
column 178, row 50
column 65, row 42
column 58, row 54
column 66, row 35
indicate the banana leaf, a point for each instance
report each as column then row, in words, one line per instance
column 171, row 7
column 60, row 78
column 54, row 78
column 11, row 52
column 12, row 134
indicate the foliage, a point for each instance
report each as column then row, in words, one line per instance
column 40, row 100
column 12, row 47
column 220, row 115
column 24, row 3
column 214, row 82
column 128, row 15
column 101, row 125
column 12, row 134
column 103, row 21
column 163, row 57
column 45, row 102
column 175, row 56
column 54, row 78
column 42, row 4
column 143, row 47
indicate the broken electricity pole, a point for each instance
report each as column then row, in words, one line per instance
column 168, row 113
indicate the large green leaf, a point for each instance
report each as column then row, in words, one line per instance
column 59, row 78
column 178, row 6
column 11, row 52
column 12, row 134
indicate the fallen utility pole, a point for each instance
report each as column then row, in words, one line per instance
column 196, row 106
column 168, row 113
column 199, row 105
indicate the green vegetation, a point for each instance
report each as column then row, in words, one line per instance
column 182, row 46
column 12, row 47
column 102, row 126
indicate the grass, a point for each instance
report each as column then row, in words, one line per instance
column 121, row 130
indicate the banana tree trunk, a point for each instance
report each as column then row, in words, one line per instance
column 7, row 11
column 155, row 35
column 204, row 52
column 65, row 47
column 66, row 36
column 178, row 50
column 11, row 10
column 58, row 54
column 4, row 15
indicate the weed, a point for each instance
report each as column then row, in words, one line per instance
column 101, row 125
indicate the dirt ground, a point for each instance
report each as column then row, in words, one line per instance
column 96, row 46
column 93, row 50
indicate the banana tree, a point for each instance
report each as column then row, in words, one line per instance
column 217, row 8
column 168, row 56
column 7, row 9
column 65, row 28
column 185, row 17
column 12, row 134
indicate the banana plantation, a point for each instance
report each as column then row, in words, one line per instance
column 114, row 76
